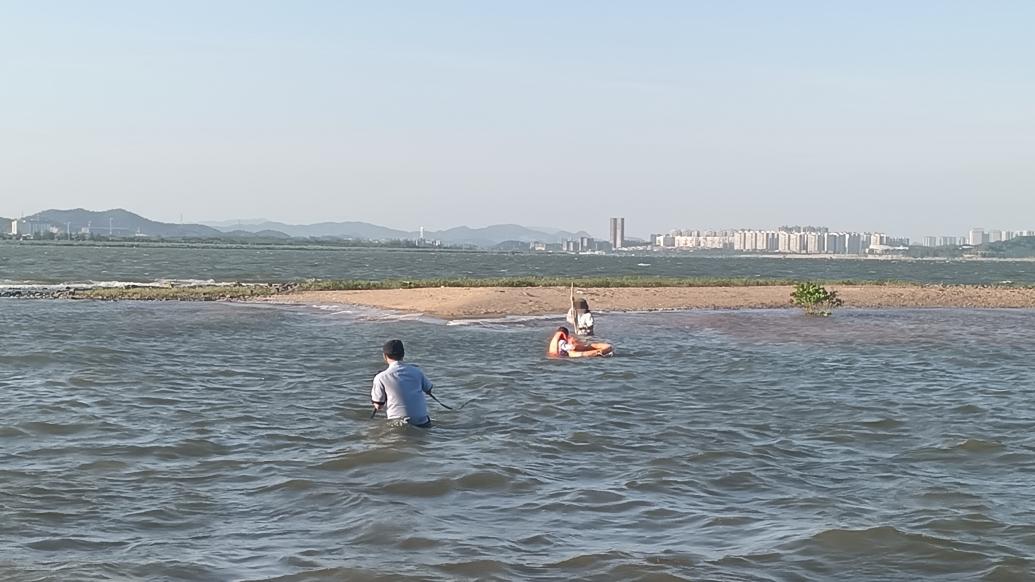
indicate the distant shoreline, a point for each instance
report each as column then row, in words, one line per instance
column 302, row 245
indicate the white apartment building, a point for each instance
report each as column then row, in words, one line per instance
column 786, row 241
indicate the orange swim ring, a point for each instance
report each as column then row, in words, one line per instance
column 594, row 350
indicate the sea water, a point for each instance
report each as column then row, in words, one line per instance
column 192, row 441
column 38, row 263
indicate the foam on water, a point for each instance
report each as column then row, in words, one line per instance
column 6, row 284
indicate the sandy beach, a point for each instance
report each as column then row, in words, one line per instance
column 474, row 302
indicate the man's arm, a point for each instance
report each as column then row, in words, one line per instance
column 378, row 396
column 425, row 384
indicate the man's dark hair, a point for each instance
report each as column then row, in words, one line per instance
column 394, row 349
column 564, row 329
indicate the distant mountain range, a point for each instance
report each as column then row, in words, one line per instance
column 117, row 222
column 488, row 236
column 122, row 223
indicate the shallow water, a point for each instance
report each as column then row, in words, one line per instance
column 233, row 442
column 51, row 264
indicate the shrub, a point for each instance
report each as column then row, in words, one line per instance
column 815, row 299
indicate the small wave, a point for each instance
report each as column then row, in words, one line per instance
column 433, row 488
column 37, row 286
column 418, row 543
column 590, row 560
column 12, row 431
column 53, row 428
column 365, row 313
column 504, row 320
column 331, row 574
column 287, row 485
column 103, row 465
column 884, row 423
column 477, row 569
column 162, row 518
column 484, row 481
column 979, row 446
column 967, row 446
column 363, row 458
column 190, row 448
column 72, row 544
column 928, row 552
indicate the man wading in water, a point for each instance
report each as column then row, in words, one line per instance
column 402, row 387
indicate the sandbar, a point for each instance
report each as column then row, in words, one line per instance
column 476, row 302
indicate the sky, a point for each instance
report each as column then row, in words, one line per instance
column 913, row 118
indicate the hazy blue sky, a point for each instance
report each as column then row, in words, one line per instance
column 912, row 117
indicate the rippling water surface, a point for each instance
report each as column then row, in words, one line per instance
column 233, row 442
column 51, row 264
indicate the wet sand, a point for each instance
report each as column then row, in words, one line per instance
column 474, row 302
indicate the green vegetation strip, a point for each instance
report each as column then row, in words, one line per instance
column 582, row 282
column 200, row 293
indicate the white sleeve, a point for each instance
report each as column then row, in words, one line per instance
column 377, row 392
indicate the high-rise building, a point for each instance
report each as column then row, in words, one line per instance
column 14, row 227
column 617, row 233
column 976, row 236
column 930, row 241
column 854, row 243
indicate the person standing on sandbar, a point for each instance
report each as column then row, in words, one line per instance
column 579, row 315
column 402, row 388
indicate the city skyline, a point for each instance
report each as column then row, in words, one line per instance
column 616, row 229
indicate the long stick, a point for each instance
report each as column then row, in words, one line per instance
column 574, row 314
column 450, row 407
column 439, row 401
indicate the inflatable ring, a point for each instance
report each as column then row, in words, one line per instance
column 594, row 350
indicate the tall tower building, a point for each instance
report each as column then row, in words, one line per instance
column 617, row 233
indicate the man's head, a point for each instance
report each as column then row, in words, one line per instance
column 393, row 350
column 564, row 330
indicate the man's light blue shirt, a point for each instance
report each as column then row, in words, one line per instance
column 403, row 387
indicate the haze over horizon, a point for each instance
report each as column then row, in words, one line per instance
column 910, row 118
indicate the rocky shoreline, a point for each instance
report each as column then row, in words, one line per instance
column 131, row 292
